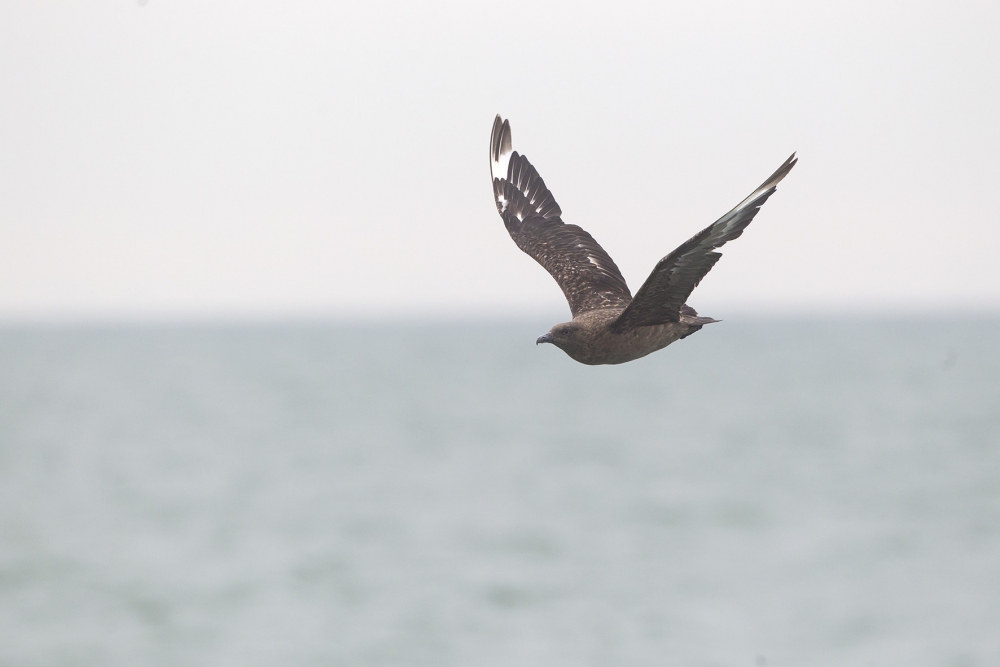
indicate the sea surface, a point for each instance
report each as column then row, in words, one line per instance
column 795, row 492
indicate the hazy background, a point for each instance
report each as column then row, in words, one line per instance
column 194, row 159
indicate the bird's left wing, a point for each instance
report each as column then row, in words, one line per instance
column 674, row 277
column 586, row 273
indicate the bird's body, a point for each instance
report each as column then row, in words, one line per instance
column 609, row 326
column 591, row 339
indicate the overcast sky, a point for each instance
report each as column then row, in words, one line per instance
column 191, row 159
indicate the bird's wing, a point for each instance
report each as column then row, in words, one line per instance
column 660, row 298
column 586, row 273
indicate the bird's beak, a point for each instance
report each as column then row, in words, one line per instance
column 547, row 338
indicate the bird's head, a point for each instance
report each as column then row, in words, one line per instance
column 563, row 336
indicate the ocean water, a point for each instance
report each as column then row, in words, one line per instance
column 781, row 493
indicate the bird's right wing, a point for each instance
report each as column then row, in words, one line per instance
column 674, row 277
column 586, row 273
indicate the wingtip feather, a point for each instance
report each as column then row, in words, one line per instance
column 780, row 173
column 768, row 186
column 501, row 147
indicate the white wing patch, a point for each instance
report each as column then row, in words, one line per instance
column 742, row 205
column 498, row 168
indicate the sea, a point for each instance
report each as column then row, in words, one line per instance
column 793, row 491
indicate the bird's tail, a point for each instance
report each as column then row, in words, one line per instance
column 689, row 316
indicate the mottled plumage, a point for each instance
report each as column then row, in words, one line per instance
column 609, row 326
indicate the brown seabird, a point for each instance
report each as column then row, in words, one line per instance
column 609, row 326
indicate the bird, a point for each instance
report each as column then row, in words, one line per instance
column 609, row 325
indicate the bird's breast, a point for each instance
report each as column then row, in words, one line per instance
column 601, row 345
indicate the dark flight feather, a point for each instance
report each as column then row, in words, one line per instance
column 586, row 273
column 674, row 277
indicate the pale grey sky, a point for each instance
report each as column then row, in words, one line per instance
column 312, row 158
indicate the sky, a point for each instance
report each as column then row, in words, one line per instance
column 167, row 159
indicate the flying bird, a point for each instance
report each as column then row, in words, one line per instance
column 609, row 325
